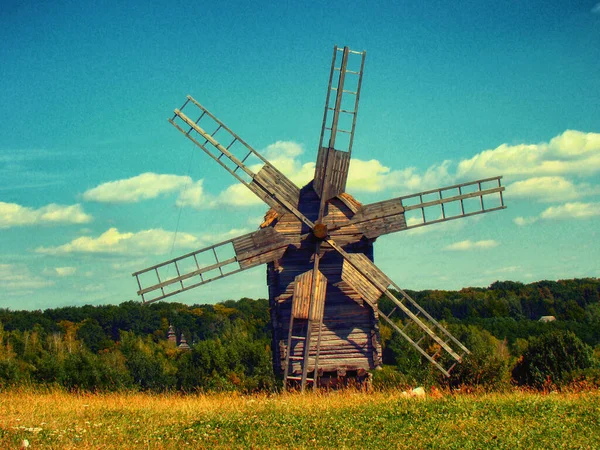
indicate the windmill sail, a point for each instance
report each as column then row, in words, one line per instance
column 211, row 263
column 371, row 283
column 339, row 121
column 236, row 157
column 427, row 208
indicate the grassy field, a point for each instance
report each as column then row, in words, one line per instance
column 337, row 420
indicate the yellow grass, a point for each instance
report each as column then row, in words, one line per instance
column 61, row 420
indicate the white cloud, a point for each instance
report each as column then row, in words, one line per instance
column 238, row 195
column 550, row 189
column 472, row 245
column 503, row 270
column 146, row 242
column 255, row 221
column 14, row 215
column 18, row 279
column 522, row 221
column 572, row 152
column 154, row 241
column 446, row 227
column 65, row 271
column 141, row 187
column 129, row 264
column 370, row 176
column 576, row 210
column 282, row 149
column 363, row 176
column 195, row 197
column 93, row 287
column 538, row 170
column 573, row 210
column 285, row 156
column 60, row 271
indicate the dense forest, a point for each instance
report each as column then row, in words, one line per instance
column 114, row 347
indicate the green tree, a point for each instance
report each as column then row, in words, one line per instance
column 93, row 336
column 551, row 358
column 147, row 363
column 488, row 364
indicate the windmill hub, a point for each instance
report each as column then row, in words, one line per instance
column 320, row 231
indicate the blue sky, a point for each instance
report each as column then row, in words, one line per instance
column 95, row 184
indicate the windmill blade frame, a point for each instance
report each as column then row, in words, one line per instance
column 246, row 251
column 331, row 169
column 269, row 184
column 389, row 216
column 367, row 279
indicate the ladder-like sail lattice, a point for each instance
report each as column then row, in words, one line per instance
column 343, row 95
column 453, row 202
column 236, row 157
column 432, row 339
column 428, row 207
column 209, row 264
column 339, row 122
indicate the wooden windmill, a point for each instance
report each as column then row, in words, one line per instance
column 317, row 242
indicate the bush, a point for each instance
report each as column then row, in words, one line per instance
column 488, row 364
column 551, row 359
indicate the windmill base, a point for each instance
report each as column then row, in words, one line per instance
column 352, row 379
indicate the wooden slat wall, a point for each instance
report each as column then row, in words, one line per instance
column 320, row 169
column 384, row 208
column 302, row 293
column 381, row 218
column 277, row 183
column 254, row 187
column 261, row 247
column 353, row 204
column 318, row 306
column 339, row 172
column 384, row 225
column 348, row 342
column 253, row 241
column 302, row 296
column 359, row 283
column 350, row 335
column 331, row 180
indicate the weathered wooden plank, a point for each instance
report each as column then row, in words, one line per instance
column 302, row 295
column 331, row 172
column 367, row 290
column 264, row 245
column 386, row 217
column 349, row 338
column 278, row 183
column 350, row 202
column 318, row 304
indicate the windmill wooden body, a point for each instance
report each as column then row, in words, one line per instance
column 317, row 242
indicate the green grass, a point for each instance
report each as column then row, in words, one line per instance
column 337, row 420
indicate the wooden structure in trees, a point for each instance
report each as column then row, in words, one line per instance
column 317, row 242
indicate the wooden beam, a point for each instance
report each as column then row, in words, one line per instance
column 373, row 274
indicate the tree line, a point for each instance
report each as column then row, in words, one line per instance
column 114, row 347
